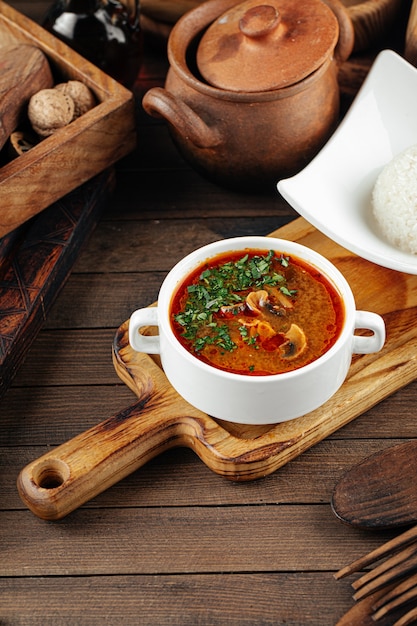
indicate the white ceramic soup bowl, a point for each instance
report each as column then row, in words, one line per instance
column 252, row 399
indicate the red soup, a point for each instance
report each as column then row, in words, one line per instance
column 256, row 312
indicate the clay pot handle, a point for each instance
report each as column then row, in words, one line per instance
column 158, row 102
column 346, row 40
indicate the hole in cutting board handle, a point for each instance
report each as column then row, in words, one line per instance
column 51, row 474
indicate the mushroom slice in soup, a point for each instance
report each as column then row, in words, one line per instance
column 228, row 310
column 295, row 343
column 284, row 300
column 257, row 299
column 282, row 308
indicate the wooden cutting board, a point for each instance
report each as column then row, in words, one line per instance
column 76, row 471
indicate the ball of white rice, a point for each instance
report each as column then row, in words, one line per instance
column 394, row 200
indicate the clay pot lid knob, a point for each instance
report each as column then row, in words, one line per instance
column 259, row 21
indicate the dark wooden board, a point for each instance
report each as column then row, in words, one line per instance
column 35, row 261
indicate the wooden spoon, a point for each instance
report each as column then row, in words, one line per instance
column 24, row 70
column 380, row 492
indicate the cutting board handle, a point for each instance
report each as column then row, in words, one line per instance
column 65, row 478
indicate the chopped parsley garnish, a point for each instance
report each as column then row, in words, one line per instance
column 246, row 337
column 226, row 285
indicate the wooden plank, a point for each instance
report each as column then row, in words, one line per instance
column 97, row 305
column 145, row 246
column 184, row 186
column 167, row 540
column 52, row 414
column 76, row 357
column 180, row 600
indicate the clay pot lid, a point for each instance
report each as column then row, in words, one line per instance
column 261, row 47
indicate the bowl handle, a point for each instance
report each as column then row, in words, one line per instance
column 159, row 102
column 373, row 343
column 346, row 40
column 149, row 344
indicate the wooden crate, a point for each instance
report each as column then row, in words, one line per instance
column 74, row 154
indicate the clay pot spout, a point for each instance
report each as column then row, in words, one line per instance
column 158, row 102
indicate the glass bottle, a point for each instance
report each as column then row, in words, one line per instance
column 106, row 32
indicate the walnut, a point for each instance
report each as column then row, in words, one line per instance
column 49, row 110
column 83, row 98
column 52, row 109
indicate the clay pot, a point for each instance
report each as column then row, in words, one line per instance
column 264, row 107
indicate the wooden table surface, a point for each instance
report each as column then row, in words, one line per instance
column 173, row 543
